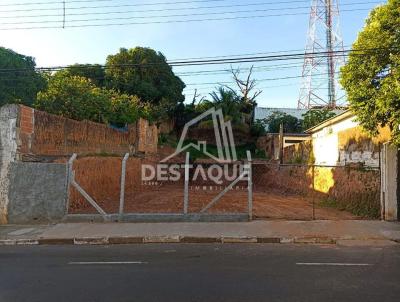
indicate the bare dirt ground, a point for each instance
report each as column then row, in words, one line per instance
column 266, row 205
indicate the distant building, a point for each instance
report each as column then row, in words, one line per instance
column 261, row 113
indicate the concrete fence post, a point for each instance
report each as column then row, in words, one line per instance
column 250, row 185
column 122, row 192
column 389, row 180
column 186, row 186
column 70, row 165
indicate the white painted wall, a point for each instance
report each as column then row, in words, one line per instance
column 326, row 142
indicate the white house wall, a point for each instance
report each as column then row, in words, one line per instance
column 326, row 142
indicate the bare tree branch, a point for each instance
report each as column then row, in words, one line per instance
column 246, row 86
column 195, row 96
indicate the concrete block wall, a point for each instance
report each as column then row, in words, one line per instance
column 389, row 182
column 8, row 154
column 37, row 192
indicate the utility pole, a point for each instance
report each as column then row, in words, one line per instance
column 320, row 87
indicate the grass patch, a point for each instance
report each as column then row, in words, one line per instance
column 365, row 208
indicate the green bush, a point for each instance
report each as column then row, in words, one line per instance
column 257, row 129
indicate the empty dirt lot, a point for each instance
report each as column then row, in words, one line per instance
column 169, row 199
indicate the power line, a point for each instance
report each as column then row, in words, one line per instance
column 157, row 10
column 227, row 71
column 261, row 80
column 51, row 2
column 151, row 16
column 200, row 90
column 281, row 57
column 159, row 16
column 166, row 22
column 104, row 6
column 191, row 63
column 171, row 9
column 205, row 90
column 248, row 54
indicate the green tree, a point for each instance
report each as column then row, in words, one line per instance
column 229, row 102
column 19, row 81
column 78, row 98
column 290, row 123
column 74, row 97
column 93, row 72
column 145, row 73
column 125, row 109
column 371, row 76
column 257, row 129
column 314, row 117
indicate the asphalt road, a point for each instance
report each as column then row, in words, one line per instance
column 206, row 272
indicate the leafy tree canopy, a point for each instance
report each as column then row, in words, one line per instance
column 290, row 123
column 21, row 83
column 372, row 81
column 145, row 73
column 314, row 117
column 229, row 102
column 93, row 72
column 78, row 98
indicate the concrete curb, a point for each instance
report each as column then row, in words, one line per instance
column 172, row 239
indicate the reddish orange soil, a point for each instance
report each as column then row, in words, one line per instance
column 169, row 199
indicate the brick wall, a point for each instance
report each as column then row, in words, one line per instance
column 43, row 135
column 147, row 137
column 299, row 153
column 100, row 177
column 270, row 144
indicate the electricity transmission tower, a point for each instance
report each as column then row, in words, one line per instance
column 320, row 87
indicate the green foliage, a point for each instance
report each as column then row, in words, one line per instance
column 240, row 127
column 22, row 85
column 363, row 207
column 229, row 102
column 372, row 80
column 236, row 108
column 203, row 106
column 162, row 139
column 94, row 72
column 78, row 98
column 125, row 109
column 314, row 117
column 145, row 73
column 208, row 124
column 259, row 154
column 290, row 123
column 186, row 112
column 74, row 97
column 258, row 129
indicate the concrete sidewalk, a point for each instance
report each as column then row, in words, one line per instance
column 323, row 231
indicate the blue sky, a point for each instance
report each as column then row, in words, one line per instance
column 55, row 47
